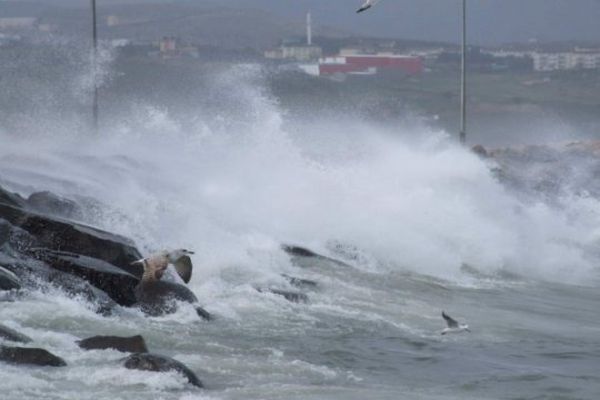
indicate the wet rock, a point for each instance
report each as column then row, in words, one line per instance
column 202, row 313
column 304, row 254
column 158, row 298
column 32, row 356
column 12, row 335
column 133, row 344
column 480, row 151
column 8, row 280
column 59, row 235
column 49, row 203
column 159, row 363
column 298, row 251
column 82, row 260
column 11, row 199
column 116, row 283
column 299, row 282
column 14, row 238
column 294, row 297
column 38, row 275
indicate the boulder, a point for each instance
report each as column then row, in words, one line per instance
column 38, row 275
column 298, row 251
column 32, row 356
column 133, row 344
column 159, row 363
column 8, row 280
column 158, row 298
column 82, row 260
column 480, row 151
column 11, row 199
column 202, row 313
column 49, row 203
column 10, row 334
column 294, row 297
column 300, row 282
column 116, row 283
column 61, row 235
column 14, row 238
column 304, row 254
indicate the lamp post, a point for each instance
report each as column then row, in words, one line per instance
column 94, row 67
column 463, row 80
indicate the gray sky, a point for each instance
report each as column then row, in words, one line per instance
column 490, row 21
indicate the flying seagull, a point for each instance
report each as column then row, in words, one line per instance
column 156, row 265
column 367, row 4
column 453, row 325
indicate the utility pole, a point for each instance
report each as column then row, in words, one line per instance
column 463, row 81
column 94, row 67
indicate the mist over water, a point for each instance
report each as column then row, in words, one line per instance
column 235, row 176
column 232, row 178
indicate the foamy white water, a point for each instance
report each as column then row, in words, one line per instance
column 411, row 206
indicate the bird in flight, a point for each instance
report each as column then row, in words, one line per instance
column 156, row 265
column 367, row 4
column 453, row 325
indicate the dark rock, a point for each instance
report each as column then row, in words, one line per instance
column 294, row 297
column 202, row 313
column 158, row 363
column 23, row 355
column 82, row 260
column 56, row 234
column 36, row 274
column 8, row 280
column 11, row 199
column 118, row 284
column 133, row 344
column 480, row 151
column 299, row 282
column 49, row 203
column 298, row 251
column 158, row 298
column 14, row 237
column 12, row 335
column 304, row 253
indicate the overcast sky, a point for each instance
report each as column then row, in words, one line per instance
column 490, row 21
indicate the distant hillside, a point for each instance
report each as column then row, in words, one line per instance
column 205, row 23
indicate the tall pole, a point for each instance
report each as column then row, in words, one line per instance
column 308, row 29
column 94, row 66
column 463, row 73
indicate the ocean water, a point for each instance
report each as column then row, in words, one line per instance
column 423, row 224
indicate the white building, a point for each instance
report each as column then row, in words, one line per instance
column 298, row 53
column 577, row 59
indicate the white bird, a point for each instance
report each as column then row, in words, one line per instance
column 453, row 325
column 367, row 4
column 156, row 265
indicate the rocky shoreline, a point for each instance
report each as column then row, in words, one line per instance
column 41, row 246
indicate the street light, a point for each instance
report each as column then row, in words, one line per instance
column 463, row 68
column 94, row 67
column 463, row 80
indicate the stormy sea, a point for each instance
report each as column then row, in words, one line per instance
column 398, row 223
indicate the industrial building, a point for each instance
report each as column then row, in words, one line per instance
column 365, row 64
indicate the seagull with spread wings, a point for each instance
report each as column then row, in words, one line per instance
column 156, row 265
column 367, row 4
column 453, row 325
